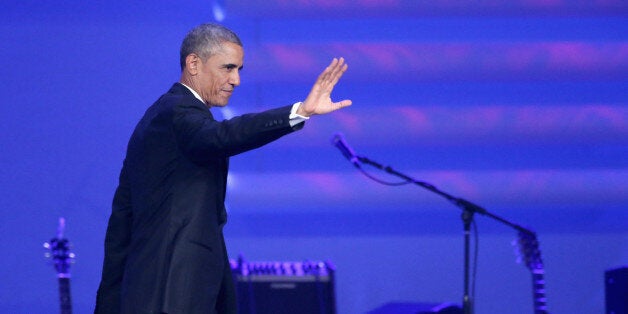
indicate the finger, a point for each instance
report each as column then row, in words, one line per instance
column 324, row 76
column 342, row 104
column 336, row 77
column 331, row 71
column 338, row 67
column 346, row 103
column 331, row 68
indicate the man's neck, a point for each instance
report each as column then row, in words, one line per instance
column 193, row 92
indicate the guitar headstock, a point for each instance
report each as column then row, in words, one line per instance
column 529, row 252
column 59, row 252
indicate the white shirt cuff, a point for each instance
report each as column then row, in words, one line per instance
column 294, row 117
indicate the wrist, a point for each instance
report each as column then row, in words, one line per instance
column 297, row 109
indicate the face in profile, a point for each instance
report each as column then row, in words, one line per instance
column 219, row 75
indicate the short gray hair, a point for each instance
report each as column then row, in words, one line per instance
column 205, row 40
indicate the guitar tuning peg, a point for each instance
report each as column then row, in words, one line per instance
column 513, row 243
column 47, row 255
column 46, row 245
column 516, row 243
column 518, row 258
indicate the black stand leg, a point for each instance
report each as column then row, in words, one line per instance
column 467, row 303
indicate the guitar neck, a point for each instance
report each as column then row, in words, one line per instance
column 64, row 295
column 529, row 248
column 538, row 291
column 61, row 259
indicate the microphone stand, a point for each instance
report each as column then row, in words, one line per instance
column 468, row 210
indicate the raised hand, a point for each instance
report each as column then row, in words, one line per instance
column 319, row 101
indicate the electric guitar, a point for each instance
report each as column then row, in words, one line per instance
column 530, row 255
column 61, row 258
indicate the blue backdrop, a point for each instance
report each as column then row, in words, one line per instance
column 519, row 106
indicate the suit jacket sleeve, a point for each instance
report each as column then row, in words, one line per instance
column 116, row 248
column 200, row 136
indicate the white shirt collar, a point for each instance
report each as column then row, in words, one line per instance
column 194, row 92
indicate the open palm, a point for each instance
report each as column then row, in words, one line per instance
column 319, row 100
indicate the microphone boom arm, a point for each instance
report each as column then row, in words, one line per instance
column 468, row 209
column 462, row 203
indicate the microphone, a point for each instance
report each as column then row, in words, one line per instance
column 339, row 141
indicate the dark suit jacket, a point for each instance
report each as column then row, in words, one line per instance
column 164, row 249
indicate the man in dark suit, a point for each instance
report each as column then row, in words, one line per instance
column 164, row 247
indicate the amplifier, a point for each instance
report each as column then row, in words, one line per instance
column 284, row 287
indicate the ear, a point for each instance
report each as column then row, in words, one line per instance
column 192, row 62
